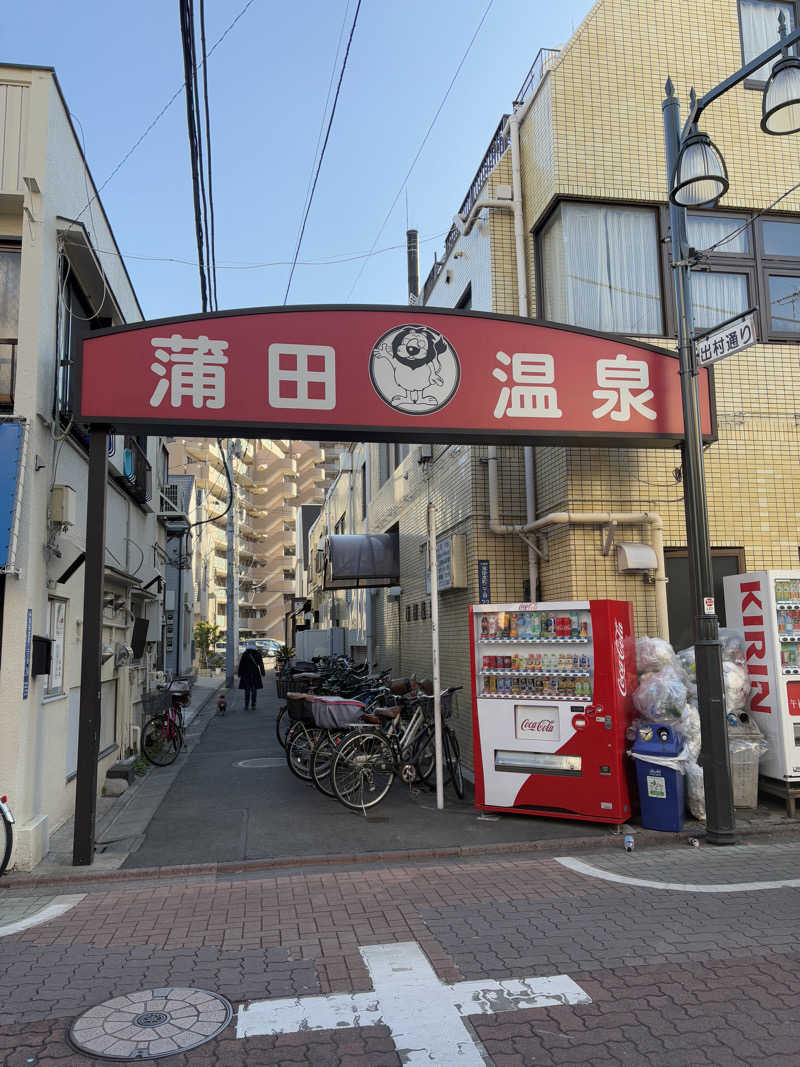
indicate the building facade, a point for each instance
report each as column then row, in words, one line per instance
column 61, row 276
column 567, row 221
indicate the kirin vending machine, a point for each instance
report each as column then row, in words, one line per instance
column 766, row 606
column 552, row 688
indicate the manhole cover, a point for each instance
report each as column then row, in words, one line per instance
column 263, row 761
column 150, row 1024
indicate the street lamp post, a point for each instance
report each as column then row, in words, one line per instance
column 697, row 176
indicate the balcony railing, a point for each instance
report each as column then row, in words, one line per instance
column 8, row 366
column 545, row 58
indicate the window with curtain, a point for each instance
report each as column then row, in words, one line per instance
column 600, row 268
column 9, row 319
column 759, row 25
column 717, row 294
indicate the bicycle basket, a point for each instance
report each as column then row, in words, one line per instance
column 299, row 709
column 154, row 703
column 445, row 701
column 332, row 712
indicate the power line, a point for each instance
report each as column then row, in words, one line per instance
column 740, row 229
column 322, row 153
column 422, row 145
column 154, row 122
column 190, row 81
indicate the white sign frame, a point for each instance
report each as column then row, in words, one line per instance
column 718, row 343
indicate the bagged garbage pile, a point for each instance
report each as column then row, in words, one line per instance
column 732, row 645
column 661, row 697
column 686, row 660
column 653, row 654
column 689, row 726
column 737, row 687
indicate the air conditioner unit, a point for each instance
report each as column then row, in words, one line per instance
column 62, row 505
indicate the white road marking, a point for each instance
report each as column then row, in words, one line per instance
column 51, row 911
column 423, row 1014
column 679, row 887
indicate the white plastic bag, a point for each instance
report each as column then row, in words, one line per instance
column 695, row 792
column 737, row 687
column 662, row 697
column 689, row 726
column 653, row 654
column 733, row 645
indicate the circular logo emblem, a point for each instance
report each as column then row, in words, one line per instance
column 414, row 369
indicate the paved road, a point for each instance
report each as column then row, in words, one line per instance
column 218, row 810
column 666, row 977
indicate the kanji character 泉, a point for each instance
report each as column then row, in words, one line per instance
column 619, row 379
column 197, row 371
column 532, row 394
column 302, row 377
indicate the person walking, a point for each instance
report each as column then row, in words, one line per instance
column 250, row 671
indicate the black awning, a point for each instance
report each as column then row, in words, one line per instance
column 361, row 561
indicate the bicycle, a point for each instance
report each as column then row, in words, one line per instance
column 7, row 840
column 162, row 734
column 367, row 763
column 451, row 750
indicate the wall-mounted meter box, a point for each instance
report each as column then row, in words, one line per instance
column 63, row 508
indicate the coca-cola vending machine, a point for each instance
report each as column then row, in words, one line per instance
column 552, row 687
column 766, row 606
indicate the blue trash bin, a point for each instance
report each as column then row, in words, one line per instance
column 661, row 789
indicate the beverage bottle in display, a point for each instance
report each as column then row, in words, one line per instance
column 491, row 625
column 792, row 655
column 788, row 621
column 781, row 622
column 485, row 626
column 536, row 625
column 584, row 628
column 784, row 655
column 513, row 624
column 574, row 625
column 549, row 626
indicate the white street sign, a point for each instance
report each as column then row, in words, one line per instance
column 726, row 340
column 424, row 1014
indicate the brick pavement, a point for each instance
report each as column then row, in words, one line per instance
column 674, row 977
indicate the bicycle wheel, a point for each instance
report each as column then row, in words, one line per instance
column 300, row 750
column 363, row 771
column 322, row 760
column 452, row 759
column 425, row 755
column 6, row 841
column 161, row 740
column 283, row 725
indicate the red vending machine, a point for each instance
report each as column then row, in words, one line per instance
column 552, row 686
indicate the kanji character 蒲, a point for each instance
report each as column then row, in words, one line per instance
column 197, row 371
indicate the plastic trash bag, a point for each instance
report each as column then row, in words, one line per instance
column 695, row 792
column 733, row 645
column 675, row 763
column 737, row 687
column 662, row 697
column 653, row 654
column 689, row 726
column 686, row 660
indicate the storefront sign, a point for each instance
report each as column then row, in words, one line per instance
column 450, row 563
column 731, row 337
column 384, row 374
column 484, row 582
column 536, row 723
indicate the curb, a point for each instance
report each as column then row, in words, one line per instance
column 644, row 839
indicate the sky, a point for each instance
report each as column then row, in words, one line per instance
column 269, row 83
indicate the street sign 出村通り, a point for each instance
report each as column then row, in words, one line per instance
column 383, row 373
column 726, row 340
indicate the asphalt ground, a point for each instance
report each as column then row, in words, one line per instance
column 217, row 810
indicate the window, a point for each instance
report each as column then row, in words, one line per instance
column 340, row 522
column 758, row 20
column 748, row 264
column 73, row 323
column 465, row 300
column 385, row 466
column 9, row 320
column 600, row 268
column 400, row 453
column 57, row 622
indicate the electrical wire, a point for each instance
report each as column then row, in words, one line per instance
column 187, row 44
column 154, row 122
column 422, row 145
column 211, row 237
column 322, row 153
column 327, row 262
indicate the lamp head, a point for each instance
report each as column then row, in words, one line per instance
column 700, row 176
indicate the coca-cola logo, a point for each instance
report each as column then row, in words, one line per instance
column 542, row 726
column 619, row 649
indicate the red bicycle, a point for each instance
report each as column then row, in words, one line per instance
column 162, row 734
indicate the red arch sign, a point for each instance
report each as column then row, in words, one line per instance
column 383, row 373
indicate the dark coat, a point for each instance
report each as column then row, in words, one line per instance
column 251, row 669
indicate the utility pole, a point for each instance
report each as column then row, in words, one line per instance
column 232, row 575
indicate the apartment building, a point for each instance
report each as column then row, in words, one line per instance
column 272, row 479
column 566, row 220
column 61, row 276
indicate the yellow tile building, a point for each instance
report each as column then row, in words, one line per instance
column 592, row 194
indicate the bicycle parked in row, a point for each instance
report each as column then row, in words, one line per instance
column 163, row 733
